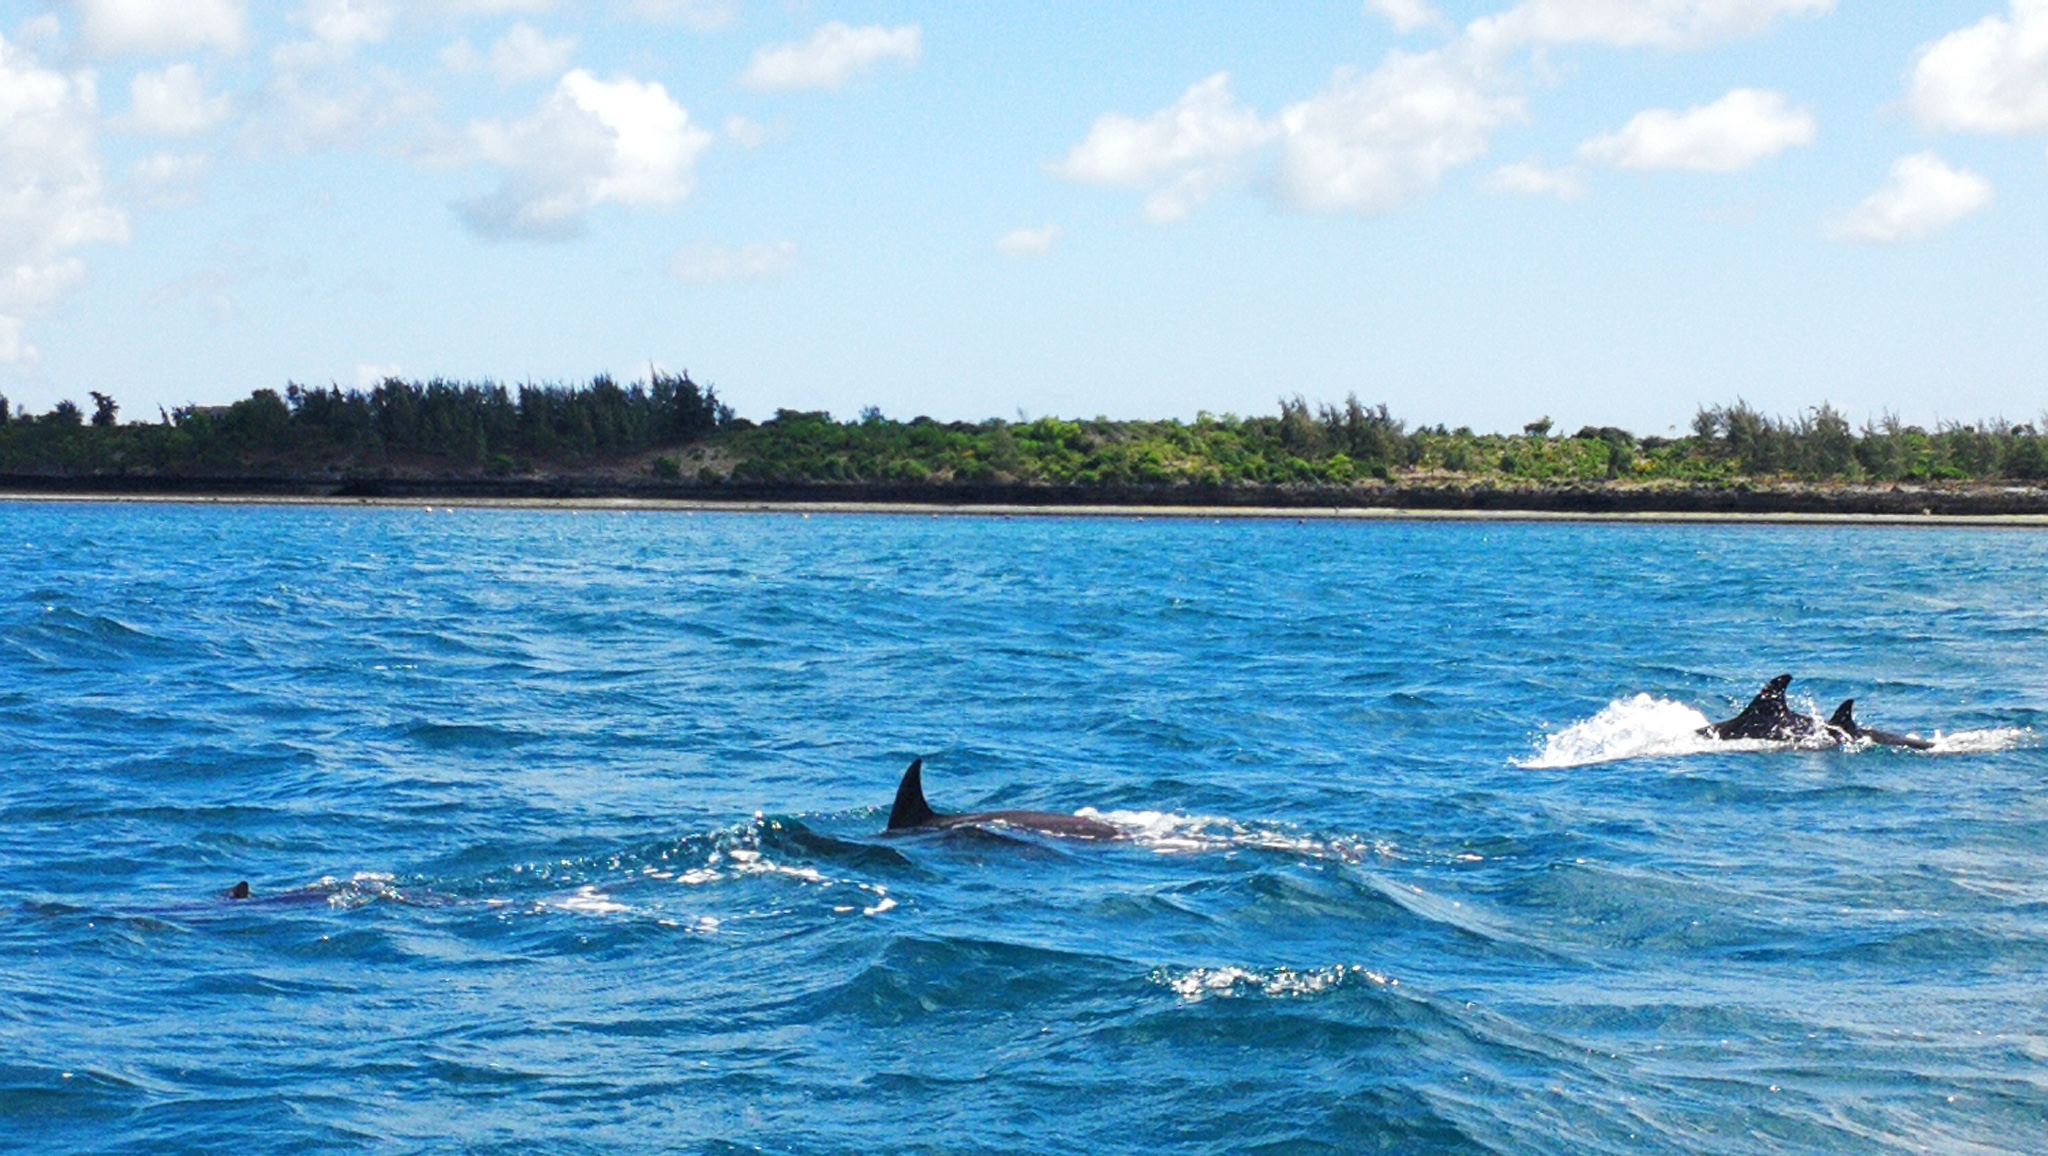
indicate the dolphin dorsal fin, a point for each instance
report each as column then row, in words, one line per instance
column 1844, row 718
column 1769, row 703
column 911, row 810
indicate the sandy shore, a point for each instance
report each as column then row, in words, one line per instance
column 1129, row 513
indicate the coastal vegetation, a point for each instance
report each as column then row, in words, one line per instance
column 670, row 431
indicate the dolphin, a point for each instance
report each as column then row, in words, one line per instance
column 1843, row 722
column 912, row 813
column 1767, row 717
column 239, row 890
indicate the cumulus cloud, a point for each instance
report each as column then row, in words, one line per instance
column 701, row 15
column 1366, row 144
column 1636, row 23
column 1734, row 133
column 1531, row 179
column 590, row 143
column 1990, row 77
column 708, row 264
column 172, row 101
column 498, row 7
column 833, row 56
column 51, row 195
column 1370, row 143
column 1182, row 155
column 524, row 54
column 746, row 132
column 1019, row 244
column 1922, row 197
column 160, row 27
column 1407, row 15
column 339, row 28
column 320, row 96
column 166, row 180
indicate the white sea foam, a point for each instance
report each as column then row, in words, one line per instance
column 1165, row 833
column 1982, row 742
column 588, row 900
column 1645, row 727
column 745, row 862
column 1197, row 984
column 1632, row 728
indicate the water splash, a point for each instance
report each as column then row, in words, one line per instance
column 1646, row 727
column 1982, row 742
column 1642, row 727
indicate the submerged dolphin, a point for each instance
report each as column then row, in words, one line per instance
column 912, row 813
column 1843, row 723
column 1767, row 717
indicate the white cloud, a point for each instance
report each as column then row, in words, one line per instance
column 1183, row 154
column 1922, row 197
column 1636, row 23
column 371, row 375
column 746, row 132
column 1989, row 77
column 701, row 15
column 1370, row 143
column 319, row 96
column 1019, row 244
column 461, row 57
column 166, row 179
column 832, row 57
column 346, row 25
column 498, row 7
column 160, row 27
column 51, row 194
column 172, row 101
column 1366, row 144
column 1407, row 15
column 590, row 143
column 1530, row 178
column 524, row 54
column 708, row 264
column 1734, row 133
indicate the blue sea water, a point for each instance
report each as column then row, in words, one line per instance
column 563, row 831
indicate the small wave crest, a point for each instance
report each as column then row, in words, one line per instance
column 1194, row 985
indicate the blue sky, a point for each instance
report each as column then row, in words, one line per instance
column 1604, row 211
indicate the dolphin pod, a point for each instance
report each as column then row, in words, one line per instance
column 912, row 813
column 1768, row 718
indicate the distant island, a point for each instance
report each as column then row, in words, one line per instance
column 669, row 437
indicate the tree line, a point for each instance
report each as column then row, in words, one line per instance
column 438, row 423
column 671, row 428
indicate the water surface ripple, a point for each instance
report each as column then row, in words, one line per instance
column 562, row 828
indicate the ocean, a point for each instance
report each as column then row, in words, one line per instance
column 563, row 833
